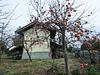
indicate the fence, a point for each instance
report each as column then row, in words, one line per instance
column 85, row 54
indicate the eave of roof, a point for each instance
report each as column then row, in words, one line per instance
column 25, row 27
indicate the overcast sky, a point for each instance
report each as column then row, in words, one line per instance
column 23, row 13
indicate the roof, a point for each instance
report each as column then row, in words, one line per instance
column 30, row 25
column 13, row 47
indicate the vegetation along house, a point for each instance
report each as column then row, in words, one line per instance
column 37, row 41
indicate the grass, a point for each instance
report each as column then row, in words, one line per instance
column 36, row 67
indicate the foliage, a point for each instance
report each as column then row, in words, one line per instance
column 76, row 72
column 55, row 69
column 93, row 49
column 69, row 49
column 3, row 46
column 91, row 71
column 96, row 45
column 19, row 73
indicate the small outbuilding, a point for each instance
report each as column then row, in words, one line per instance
column 37, row 41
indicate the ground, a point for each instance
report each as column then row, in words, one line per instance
column 36, row 67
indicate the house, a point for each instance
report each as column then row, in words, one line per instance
column 37, row 41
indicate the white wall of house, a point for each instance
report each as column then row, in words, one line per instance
column 41, row 48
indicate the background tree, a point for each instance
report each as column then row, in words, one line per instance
column 94, row 46
column 5, row 32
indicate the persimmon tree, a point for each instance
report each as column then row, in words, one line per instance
column 65, row 18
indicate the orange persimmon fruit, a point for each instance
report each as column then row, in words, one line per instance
column 94, row 51
column 74, row 10
column 69, row 15
column 88, row 44
column 51, row 10
column 47, row 31
column 78, row 26
column 41, row 27
column 42, row 7
column 49, row 22
column 65, row 26
column 85, row 64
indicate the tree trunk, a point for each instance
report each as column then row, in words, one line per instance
column 99, row 56
column 65, row 53
column 0, row 55
column 29, row 55
column 1, row 43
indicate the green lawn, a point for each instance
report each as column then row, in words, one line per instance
column 36, row 67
